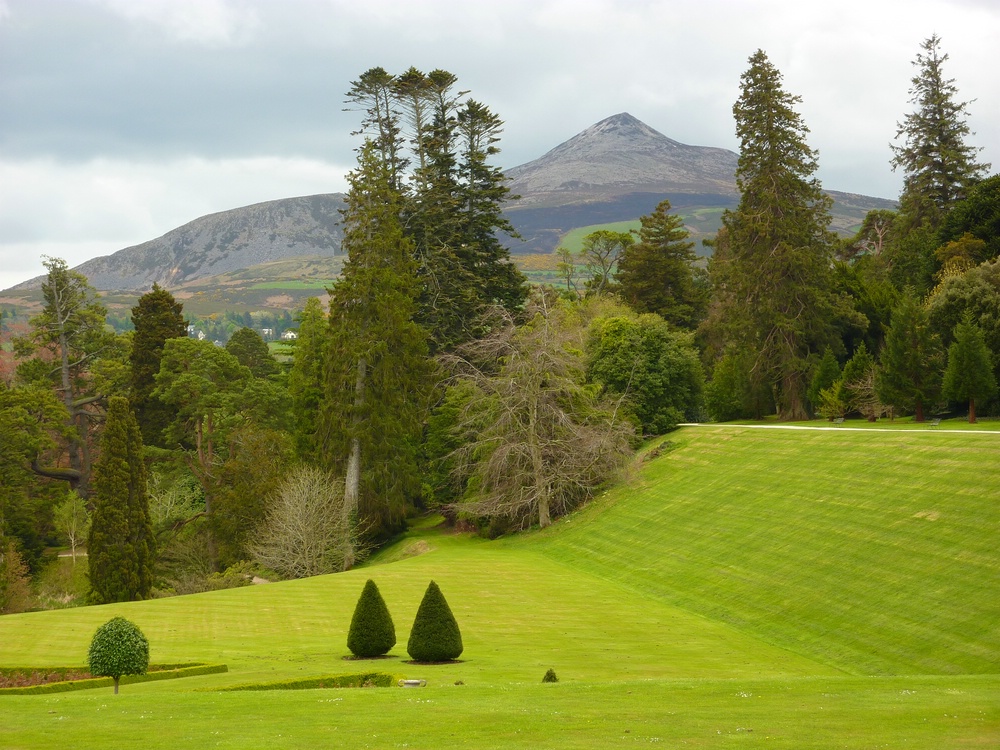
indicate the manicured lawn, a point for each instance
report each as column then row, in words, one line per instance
column 738, row 591
column 872, row 551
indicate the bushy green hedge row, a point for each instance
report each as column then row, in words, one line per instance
column 157, row 672
column 366, row 679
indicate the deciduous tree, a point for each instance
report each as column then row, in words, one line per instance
column 118, row 648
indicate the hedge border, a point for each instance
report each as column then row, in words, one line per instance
column 376, row 679
column 162, row 672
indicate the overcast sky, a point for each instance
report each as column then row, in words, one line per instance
column 123, row 119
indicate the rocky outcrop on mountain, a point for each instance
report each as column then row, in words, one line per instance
column 617, row 156
column 221, row 242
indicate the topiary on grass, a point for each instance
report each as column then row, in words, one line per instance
column 118, row 648
column 550, row 676
column 372, row 632
column 435, row 635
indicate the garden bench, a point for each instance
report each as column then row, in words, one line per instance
column 935, row 422
column 839, row 420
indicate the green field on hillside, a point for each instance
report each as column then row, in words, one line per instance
column 747, row 588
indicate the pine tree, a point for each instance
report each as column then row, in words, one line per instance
column 251, row 351
column 774, row 284
column 435, row 635
column 121, row 547
column 970, row 369
column 655, row 275
column 156, row 317
column 938, row 165
column 376, row 384
column 911, row 360
column 826, row 374
column 372, row 632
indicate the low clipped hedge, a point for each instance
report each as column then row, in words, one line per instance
column 366, row 679
column 157, row 672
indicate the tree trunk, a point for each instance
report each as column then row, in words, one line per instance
column 972, row 411
column 116, row 684
column 919, row 408
column 352, row 482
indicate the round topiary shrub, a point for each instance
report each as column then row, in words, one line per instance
column 435, row 635
column 118, row 648
column 372, row 632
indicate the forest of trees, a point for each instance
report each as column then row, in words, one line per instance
column 438, row 380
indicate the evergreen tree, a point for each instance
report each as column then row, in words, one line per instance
column 655, row 275
column 376, row 385
column 970, row 368
column 156, row 317
column 856, row 387
column 435, row 635
column 372, row 632
column 911, row 361
column 938, row 165
column 773, row 278
column 121, row 547
column 826, row 374
column 305, row 379
column 251, row 351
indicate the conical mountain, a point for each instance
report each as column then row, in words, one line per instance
column 617, row 156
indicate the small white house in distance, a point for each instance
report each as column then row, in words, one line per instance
column 289, row 336
column 267, row 333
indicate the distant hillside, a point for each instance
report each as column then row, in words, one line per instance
column 221, row 243
column 616, row 170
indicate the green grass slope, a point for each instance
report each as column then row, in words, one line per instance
column 736, row 593
column 873, row 551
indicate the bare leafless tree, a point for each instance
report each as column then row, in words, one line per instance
column 305, row 530
column 538, row 441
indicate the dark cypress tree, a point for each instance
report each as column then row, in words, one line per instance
column 305, row 379
column 435, row 635
column 372, row 632
column 156, row 317
column 121, row 547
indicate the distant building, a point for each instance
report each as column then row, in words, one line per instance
column 289, row 336
column 200, row 335
column 267, row 333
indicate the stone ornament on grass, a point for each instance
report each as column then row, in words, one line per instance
column 118, row 648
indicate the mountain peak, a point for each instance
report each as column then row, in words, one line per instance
column 622, row 154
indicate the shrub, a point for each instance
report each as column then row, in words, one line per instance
column 118, row 648
column 550, row 676
column 435, row 635
column 372, row 632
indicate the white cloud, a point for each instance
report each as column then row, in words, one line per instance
column 207, row 22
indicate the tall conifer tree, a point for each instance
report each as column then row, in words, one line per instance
column 970, row 367
column 305, row 379
column 774, row 276
column 912, row 359
column 378, row 371
column 938, row 165
column 121, row 547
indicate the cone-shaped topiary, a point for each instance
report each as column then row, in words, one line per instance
column 372, row 632
column 435, row 635
column 118, row 648
column 550, row 676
